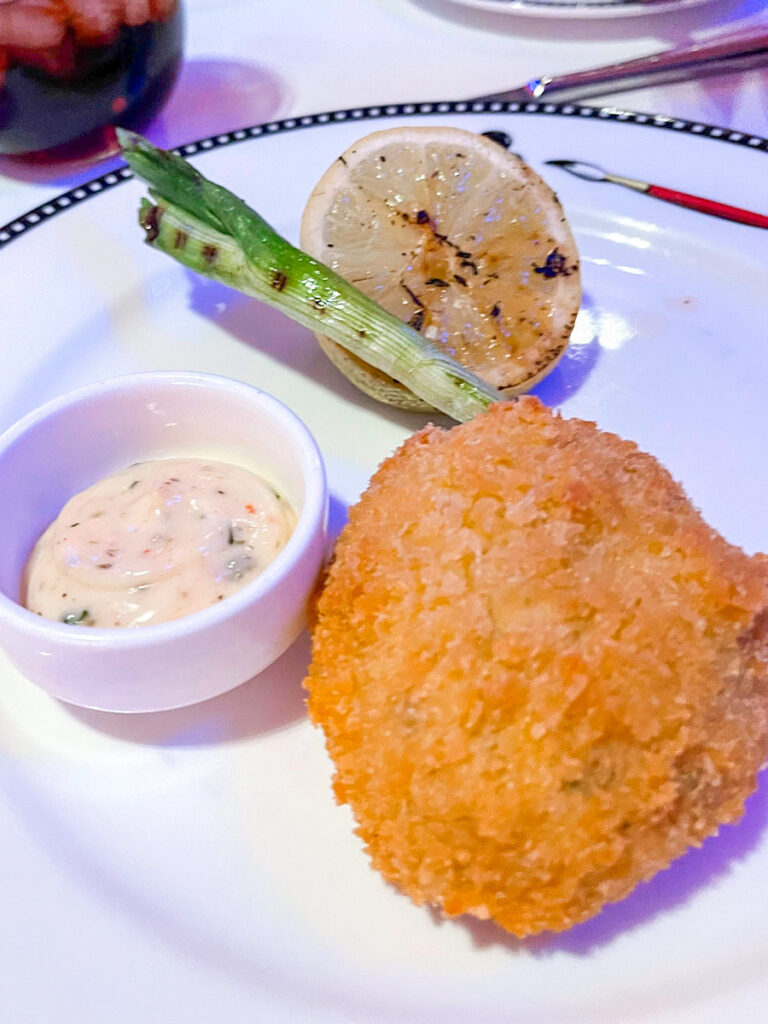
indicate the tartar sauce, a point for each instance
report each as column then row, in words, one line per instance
column 156, row 541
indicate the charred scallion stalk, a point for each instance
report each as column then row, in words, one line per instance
column 210, row 230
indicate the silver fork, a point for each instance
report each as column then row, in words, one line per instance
column 726, row 55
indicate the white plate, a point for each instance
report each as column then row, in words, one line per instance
column 192, row 866
column 580, row 8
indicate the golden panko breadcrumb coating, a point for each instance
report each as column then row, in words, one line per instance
column 541, row 675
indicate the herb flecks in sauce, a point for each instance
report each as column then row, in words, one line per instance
column 237, row 568
column 183, row 535
column 81, row 618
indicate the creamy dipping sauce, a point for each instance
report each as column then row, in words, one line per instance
column 156, row 541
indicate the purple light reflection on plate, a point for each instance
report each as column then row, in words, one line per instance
column 697, row 868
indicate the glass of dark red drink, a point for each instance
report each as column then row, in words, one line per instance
column 71, row 70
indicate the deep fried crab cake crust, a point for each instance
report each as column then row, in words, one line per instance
column 541, row 675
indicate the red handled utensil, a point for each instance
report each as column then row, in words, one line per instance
column 589, row 172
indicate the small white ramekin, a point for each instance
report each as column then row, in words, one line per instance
column 70, row 443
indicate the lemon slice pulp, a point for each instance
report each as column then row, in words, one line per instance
column 457, row 237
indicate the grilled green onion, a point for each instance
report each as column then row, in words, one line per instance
column 210, row 230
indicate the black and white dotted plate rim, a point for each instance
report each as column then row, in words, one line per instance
column 33, row 218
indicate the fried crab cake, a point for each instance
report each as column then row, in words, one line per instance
column 541, row 675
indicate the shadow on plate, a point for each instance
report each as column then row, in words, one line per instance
column 271, row 701
column 664, row 893
column 210, row 96
column 271, row 332
column 577, row 364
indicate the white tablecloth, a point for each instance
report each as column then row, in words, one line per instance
column 249, row 61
